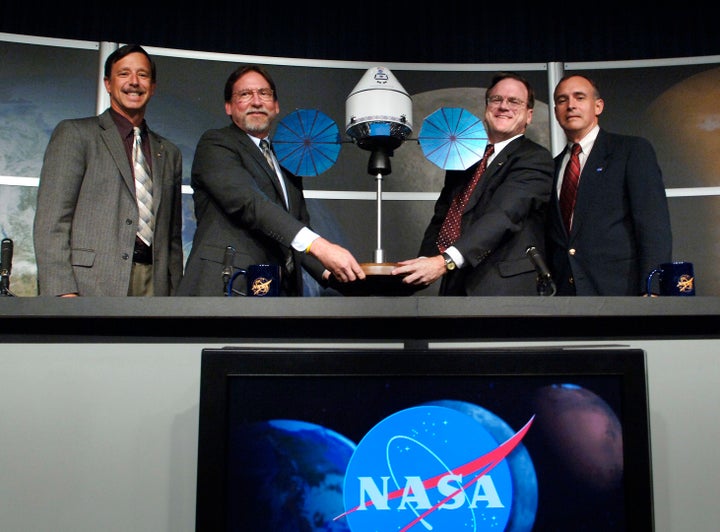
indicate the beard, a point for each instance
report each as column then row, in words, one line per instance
column 256, row 124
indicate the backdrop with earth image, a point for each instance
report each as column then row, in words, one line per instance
column 676, row 106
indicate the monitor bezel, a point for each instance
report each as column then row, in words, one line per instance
column 219, row 365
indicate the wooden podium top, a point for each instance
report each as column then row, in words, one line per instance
column 379, row 281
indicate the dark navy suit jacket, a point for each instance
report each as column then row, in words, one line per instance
column 621, row 225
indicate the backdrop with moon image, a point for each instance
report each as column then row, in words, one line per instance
column 676, row 107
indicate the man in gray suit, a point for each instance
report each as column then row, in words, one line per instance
column 245, row 201
column 86, row 231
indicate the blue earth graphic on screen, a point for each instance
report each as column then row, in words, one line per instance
column 286, row 476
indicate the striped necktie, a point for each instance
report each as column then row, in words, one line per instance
column 568, row 190
column 143, row 190
column 267, row 152
column 265, row 147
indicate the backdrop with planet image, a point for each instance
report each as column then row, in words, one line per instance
column 657, row 102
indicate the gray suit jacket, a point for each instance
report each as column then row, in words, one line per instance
column 238, row 202
column 86, row 216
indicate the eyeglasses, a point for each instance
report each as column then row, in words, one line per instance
column 496, row 101
column 245, row 95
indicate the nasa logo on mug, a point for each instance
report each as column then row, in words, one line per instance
column 263, row 280
column 674, row 279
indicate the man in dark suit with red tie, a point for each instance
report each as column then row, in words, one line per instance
column 619, row 228
column 480, row 249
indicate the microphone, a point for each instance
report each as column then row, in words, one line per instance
column 545, row 284
column 537, row 259
column 6, row 254
column 227, row 267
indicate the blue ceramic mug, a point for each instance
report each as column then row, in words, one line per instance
column 263, row 280
column 674, row 279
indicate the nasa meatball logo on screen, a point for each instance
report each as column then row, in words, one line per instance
column 431, row 466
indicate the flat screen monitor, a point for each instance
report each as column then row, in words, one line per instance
column 414, row 440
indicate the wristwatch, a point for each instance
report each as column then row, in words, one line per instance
column 449, row 263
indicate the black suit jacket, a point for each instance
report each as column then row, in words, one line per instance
column 621, row 225
column 238, row 202
column 504, row 216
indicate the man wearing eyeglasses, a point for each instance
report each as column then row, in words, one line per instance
column 501, row 213
column 244, row 201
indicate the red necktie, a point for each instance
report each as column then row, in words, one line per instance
column 568, row 191
column 450, row 229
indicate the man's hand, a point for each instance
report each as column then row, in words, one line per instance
column 422, row 270
column 338, row 260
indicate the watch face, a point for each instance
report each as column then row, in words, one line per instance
column 449, row 263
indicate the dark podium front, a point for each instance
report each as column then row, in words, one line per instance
column 413, row 319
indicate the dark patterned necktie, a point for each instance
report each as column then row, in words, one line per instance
column 265, row 147
column 143, row 190
column 450, row 229
column 269, row 156
column 568, row 191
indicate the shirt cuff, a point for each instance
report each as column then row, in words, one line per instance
column 303, row 239
column 456, row 256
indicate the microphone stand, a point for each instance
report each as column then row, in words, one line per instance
column 544, row 283
column 227, row 271
column 545, row 286
column 5, row 284
column 6, row 253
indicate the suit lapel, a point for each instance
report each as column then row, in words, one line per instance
column 157, row 151
column 554, row 196
column 491, row 173
column 591, row 178
column 259, row 158
column 116, row 148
